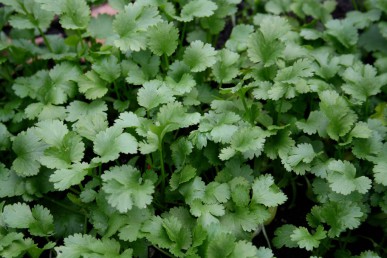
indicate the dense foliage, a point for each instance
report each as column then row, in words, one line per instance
column 193, row 129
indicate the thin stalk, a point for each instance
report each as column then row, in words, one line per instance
column 46, row 42
column 366, row 108
column 163, row 252
column 266, row 237
column 354, row 4
column 116, row 90
column 166, row 62
column 182, row 35
column 278, row 114
column 163, row 176
column 62, row 205
column 247, row 110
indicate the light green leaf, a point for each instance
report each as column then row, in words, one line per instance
column 92, row 85
column 126, row 188
column 66, row 177
column 108, row 68
column 199, row 56
column 29, row 149
column 266, row 192
column 163, row 38
column 197, row 8
column 75, row 14
column 111, row 142
column 306, row 240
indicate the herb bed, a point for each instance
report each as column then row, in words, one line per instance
column 193, row 128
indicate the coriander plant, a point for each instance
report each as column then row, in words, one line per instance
column 202, row 128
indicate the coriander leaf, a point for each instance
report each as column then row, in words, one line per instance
column 108, row 68
column 163, row 38
column 342, row 31
column 264, row 45
column 244, row 249
column 316, row 122
column 300, row 157
column 238, row 38
column 340, row 116
column 180, row 151
column 39, row 221
column 126, row 188
column 43, row 224
column 379, row 170
column 66, row 177
column 279, row 144
column 362, row 81
column 174, row 116
column 17, row 215
column 127, row 119
column 199, row 56
column 197, row 8
column 342, row 178
column 131, row 25
column 51, row 132
column 153, row 94
column 92, row 85
column 142, row 68
column 282, row 236
column 182, row 176
column 111, row 142
column 75, row 14
column 29, row 149
column 306, row 240
column 266, row 192
column 69, row 150
column 248, row 141
column 79, row 245
column 10, row 184
column 226, row 68
column 338, row 215
column 78, row 110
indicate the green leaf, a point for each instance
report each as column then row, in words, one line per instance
column 92, row 85
column 340, row 116
column 199, row 56
column 248, row 141
column 126, row 188
column 238, row 38
column 300, row 157
column 182, row 176
column 108, row 68
column 244, row 249
column 163, row 38
column 131, row 25
column 78, row 110
column 342, row 31
column 340, row 216
column 342, row 178
column 197, row 8
column 174, row 116
column 153, row 94
column 180, row 151
column 101, row 27
column 38, row 221
column 66, row 177
column 282, row 236
column 226, row 67
column 266, row 192
column 143, row 68
column 362, row 81
column 264, row 45
column 79, row 245
column 29, row 149
column 10, row 184
column 305, row 239
column 75, row 14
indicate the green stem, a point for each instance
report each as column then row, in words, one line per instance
column 247, row 110
column 166, row 62
column 366, row 108
column 163, row 252
column 182, row 35
column 163, row 176
column 116, row 90
column 45, row 40
column 63, row 205
column 266, row 237
column 278, row 114
column 354, row 3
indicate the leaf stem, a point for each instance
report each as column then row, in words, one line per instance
column 46, row 42
column 247, row 110
column 163, row 252
column 166, row 62
column 266, row 237
column 163, row 176
column 62, row 205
